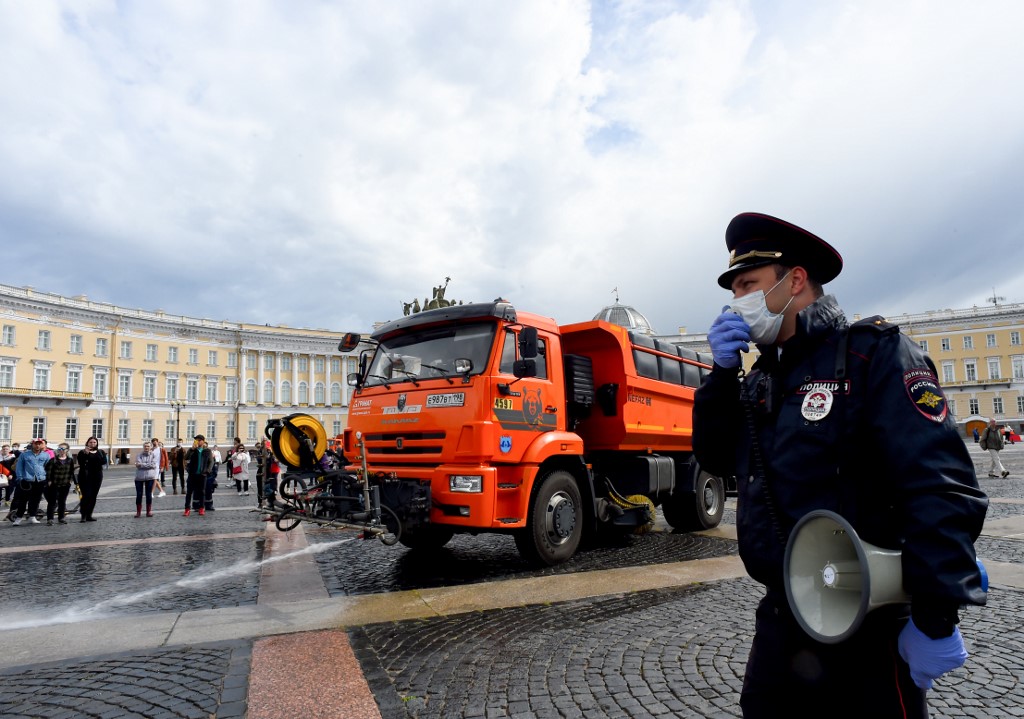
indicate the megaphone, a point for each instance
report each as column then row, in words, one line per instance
column 833, row 578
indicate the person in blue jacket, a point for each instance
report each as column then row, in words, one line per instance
column 31, row 473
column 846, row 418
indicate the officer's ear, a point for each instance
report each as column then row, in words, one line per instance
column 798, row 281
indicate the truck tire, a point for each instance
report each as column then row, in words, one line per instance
column 700, row 509
column 555, row 522
column 432, row 536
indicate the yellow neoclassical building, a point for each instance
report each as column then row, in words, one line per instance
column 71, row 368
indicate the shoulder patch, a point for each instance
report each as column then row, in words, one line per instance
column 925, row 394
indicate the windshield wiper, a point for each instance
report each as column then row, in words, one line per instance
column 410, row 375
column 384, row 380
column 444, row 373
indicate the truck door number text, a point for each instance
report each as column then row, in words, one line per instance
column 502, row 403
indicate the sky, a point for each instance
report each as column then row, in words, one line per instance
column 318, row 164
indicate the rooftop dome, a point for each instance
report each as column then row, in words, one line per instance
column 626, row 316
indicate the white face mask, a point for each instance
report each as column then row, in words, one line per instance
column 753, row 308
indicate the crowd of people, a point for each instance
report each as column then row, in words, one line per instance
column 37, row 473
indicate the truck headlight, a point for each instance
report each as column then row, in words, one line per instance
column 466, row 483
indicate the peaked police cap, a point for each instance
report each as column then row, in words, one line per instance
column 756, row 240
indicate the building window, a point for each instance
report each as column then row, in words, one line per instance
column 990, row 340
column 923, row 344
column 101, row 347
column 993, row 368
column 318, row 365
column 230, row 428
column 211, row 358
column 973, row 406
column 268, row 362
column 5, row 428
column 250, row 360
column 303, row 393
column 97, row 428
column 997, row 405
column 353, row 366
column 303, row 364
column 172, row 388
column 211, row 390
column 1018, row 367
column 126, row 349
column 250, row 391
column 147, row 430
column 951, row 403
column 172, row 355
column 149, row 390
column 71, row 428
column 41, row 381
column 170, row 430
column 1015, row 339
column 151, row 353
column 231, row 393
column 124, row 386
column 336, row 427
column 190, row 428
column 252, row 430
column 39, row 426
column 948, row 376
column 74, row 379
column 99, row 384
column 75, row 345
column 211, row 430
column 1020, row 404
column 318, row 393
column 286, row 392
column 193, row 356
column 43, row 343
column 268, row 392
column 335, row 365
column 192, row 389
column 6, row 374
column 122, row 430
column 968, row 342
column 8, row 336
column 286, row 363
column 970, row 370
column 335, row 393
column 232, row 359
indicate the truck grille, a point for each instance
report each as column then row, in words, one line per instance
column 416, row 446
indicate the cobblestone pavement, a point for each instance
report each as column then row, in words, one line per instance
column 676, row 652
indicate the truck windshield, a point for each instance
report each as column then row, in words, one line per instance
column 431, row 353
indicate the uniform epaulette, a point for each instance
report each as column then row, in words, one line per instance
column 877, row 323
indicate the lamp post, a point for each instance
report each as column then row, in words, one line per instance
column 177, row 406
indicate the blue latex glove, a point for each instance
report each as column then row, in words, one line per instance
column 930, row 658
column 729, row 335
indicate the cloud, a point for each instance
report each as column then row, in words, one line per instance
column 319, row 164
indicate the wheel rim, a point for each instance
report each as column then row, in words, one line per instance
column 710, row 498
column 560, row 518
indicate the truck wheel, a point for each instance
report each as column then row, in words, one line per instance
column 697, row 510
column 432, row 536
column 555, row 523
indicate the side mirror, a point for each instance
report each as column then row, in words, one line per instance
column 352, row 379
column 350, row 341
column 528, row 343
column 463, row 365
column 525, row 368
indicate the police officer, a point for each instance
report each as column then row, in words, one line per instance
column 849, row 419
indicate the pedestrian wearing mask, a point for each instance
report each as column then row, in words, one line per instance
column 810, row 427
column 992, row 442
column 91, row 461
column 147, row 468
column 60, row 473
column 31, row 471
column 198, row 465
column 176, row 457
column 240, row 469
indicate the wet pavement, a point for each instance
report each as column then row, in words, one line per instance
column 471, row 632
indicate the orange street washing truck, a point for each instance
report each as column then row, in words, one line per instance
column 481, row 418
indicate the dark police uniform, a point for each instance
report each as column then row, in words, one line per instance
column 849, row 419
